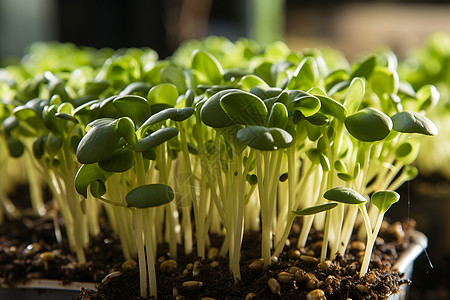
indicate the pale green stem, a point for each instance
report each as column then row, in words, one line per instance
column 141, row 254
column 149, row 246
column 35, row 184
column 308, row 220
column 187, row 226
column 369, row 246
column 324, row 249
column 265, row 223
column 347, row 229
column 163, row 167
column 282, row 243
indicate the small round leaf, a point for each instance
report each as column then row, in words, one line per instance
column 384, row 199
column 149, row 195
column 369, row 125
column 413, row 122
column 344, row 195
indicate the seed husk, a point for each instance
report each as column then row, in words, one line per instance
column 257, row 264
column 32, row 249
column 293, row 269
column 358, row 245
column 309, row 259
column 285, row 277
column 250, row 296
column 325, row 265
column 196, row 268
column 362, row 288
column 168, row 266
column 316, row 294
column 129, row 264
column 45, row 257
column 294, row 254
column 300, row 276
column 191, row 285
column 111, row 275
column 274, row 286
column 312, row 281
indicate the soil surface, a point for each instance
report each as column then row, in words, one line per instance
column 26, row 245
column 23, row 244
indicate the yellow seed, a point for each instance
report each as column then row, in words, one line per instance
column 312, row 281
column 300, row 276
column 294, row 254
column 47, row 256
column 310, row 252
column 191, row 285
column 362, row 288
column 285, row 277
column 129, row 264
column 274, row 286
column 257, row 264
column 358, row 245
column 250, row 296
column 32, row 249
column 325, row 265
column 168, row 266
column 309, row 259
column 317, row 294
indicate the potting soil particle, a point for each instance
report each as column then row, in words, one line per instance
column 24, row 243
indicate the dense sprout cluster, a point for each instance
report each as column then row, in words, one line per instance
column 221, row 137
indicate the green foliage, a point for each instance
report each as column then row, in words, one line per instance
column 149, row 195
column 218, row 120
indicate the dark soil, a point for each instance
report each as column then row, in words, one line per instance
column 19, row 261
column 22, row 243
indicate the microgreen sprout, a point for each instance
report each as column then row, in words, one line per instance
column 209, row 142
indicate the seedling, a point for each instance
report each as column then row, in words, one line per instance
column 242, row 138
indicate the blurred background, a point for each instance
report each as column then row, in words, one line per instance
column 352, row 27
